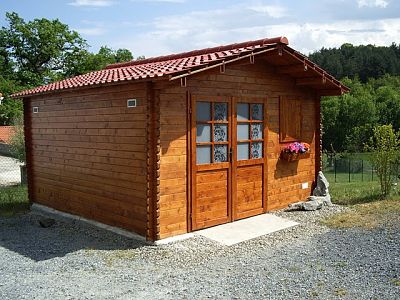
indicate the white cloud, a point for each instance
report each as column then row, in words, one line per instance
column 373, row 3
column 91, row 31
column 274, row 11
column 313, row 36
column 208, row 28
column 91, row 28
column 166, row 1
column 93, row 3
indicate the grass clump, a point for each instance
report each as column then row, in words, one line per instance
column 340, row 292
column 367, row 215
column 13, row 199
column 395, row 281
column 368, row 210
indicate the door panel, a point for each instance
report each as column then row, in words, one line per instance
column 248, row 169
column 211, row 168
column 228, row 160
column 211, row 203
column 249, row 180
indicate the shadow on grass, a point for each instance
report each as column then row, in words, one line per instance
column 355, row 193
column 22, row 234
column 369, row 198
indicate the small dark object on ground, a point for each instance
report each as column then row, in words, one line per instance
column 46, row 222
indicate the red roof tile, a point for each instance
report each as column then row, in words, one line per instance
column 181, row 64
column 154, row 67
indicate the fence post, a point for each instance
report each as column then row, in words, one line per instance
column 349, row 170
column 362, row 170
column 334, row 167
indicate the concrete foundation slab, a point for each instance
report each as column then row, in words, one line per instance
column 246, row 229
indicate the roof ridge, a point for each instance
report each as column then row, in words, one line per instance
column 260, row 42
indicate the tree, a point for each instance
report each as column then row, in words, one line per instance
column 88, row 62
column 384, row 147
column 348, row 119
column 38, row 51
column 9, row 109
column 364, row 61
column 41, row 51
column 388, row 104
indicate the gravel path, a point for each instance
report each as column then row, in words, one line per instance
column 72, row 260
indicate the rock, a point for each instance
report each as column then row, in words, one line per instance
column 322, row 188
column 46, row 222
column 307, row 205
column 312, row 205
column 296, row 206
column 320, row 196
column 325, row 200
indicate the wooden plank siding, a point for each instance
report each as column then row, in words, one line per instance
column 92, row 156
column 260, row 81
column 88, row 153
column 173, row 162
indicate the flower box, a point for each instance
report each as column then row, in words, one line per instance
column 295, row 151
column 294, row 156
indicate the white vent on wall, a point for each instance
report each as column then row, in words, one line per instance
column 35, row 109
column 131, row 103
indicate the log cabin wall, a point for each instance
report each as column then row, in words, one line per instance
column 173, row 161
column 88, row 154
column 258, row 80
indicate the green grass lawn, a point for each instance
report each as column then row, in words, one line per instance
column 13, row 199
column 350, row 193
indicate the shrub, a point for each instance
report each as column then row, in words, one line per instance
column 384, row 157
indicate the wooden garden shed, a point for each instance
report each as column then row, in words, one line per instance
column 172, row 144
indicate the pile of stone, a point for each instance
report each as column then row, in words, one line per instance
column 320, row 196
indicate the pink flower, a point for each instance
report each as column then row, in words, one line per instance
column 297, row 147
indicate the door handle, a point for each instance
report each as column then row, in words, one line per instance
column 230, row 154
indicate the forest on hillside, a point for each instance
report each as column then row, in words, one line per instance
column 40, row 51
column 373, row 75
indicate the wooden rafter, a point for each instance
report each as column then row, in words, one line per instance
column 329, row 92
column 294, row 68
column 222, row 63
column 310, row 81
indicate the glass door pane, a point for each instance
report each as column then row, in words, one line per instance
column 249, row 127
column 212, row 132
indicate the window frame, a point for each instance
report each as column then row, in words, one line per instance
column 286, row 114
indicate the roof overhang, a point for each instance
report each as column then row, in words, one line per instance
column 287, row 61
column 180, row 66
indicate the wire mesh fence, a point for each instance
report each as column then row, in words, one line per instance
column 10, row 172
column 13, row 187
column 348, row 169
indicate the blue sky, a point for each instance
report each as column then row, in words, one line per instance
column 158, row 27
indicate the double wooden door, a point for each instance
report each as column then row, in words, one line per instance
column 228, row 161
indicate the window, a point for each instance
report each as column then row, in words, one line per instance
column 250, row 121
column 290, row 118
column 211, row 132
column 131, row 103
